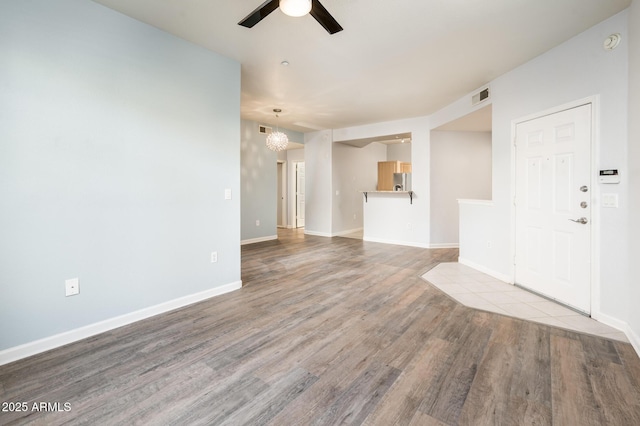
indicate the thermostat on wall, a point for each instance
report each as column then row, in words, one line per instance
column 609, row 176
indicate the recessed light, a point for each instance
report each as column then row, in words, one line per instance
column 284, row 63
column 277, row 110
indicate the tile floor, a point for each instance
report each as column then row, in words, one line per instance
column 477, row 290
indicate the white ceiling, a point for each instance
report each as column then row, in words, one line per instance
column 384, row 139
column 395, row 58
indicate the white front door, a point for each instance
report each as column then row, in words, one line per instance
column 553, row 206
column 299, row 195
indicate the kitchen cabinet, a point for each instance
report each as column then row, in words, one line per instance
column 386, row 169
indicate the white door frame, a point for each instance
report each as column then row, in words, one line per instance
column 296, row 202
column 284, row 193
column 593, row 187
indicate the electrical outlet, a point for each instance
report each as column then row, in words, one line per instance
column 72, row 287
column 489, row 244
column 227, row 194
column 214, row 256
column 258, row 222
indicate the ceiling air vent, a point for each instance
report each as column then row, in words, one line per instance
column 480, row 96
column 264, row 129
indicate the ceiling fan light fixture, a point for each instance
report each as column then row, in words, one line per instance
column 295, row 8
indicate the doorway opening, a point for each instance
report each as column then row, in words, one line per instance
column 460, row 169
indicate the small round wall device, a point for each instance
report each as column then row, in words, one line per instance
column 612, row 41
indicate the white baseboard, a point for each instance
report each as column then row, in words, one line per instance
column 485, row 270
column 258, row 240
column 396, row 242
column 634, row 339
column 317, row 234
column 350, row 231
column 609, row 320
column 52, row 342
column 444, row 245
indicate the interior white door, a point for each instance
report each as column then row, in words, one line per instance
column 553, row 206
column 299, row 195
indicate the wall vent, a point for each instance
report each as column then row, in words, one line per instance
column 481, row 96
column 264, row 129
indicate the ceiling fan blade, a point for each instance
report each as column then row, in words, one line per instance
column 324, row 18
column 260, row 13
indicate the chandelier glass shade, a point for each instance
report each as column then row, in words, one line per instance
column 277, row 141
column 295, row 7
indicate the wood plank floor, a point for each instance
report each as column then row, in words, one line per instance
column 331, row 331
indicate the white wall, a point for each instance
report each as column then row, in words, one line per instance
column 117, row 142
column 400, row 222
column 317, row 157
column 259, row 179
column 460, row 168
column 634, row 171
column 574, row 70
column 354, row 170
column 399, row 152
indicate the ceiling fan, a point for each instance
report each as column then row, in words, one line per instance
column 294, row 8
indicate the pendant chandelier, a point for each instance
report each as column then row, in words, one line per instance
column 277, row 141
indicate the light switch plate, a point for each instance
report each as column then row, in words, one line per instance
column 72, row 287
column 610, row 201
column 227, row 194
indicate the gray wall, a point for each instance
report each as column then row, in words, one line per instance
column 117, row 142
column 634, row 168
column 460, row 168
column 259, row 178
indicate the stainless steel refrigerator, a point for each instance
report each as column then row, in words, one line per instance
column 402, row 181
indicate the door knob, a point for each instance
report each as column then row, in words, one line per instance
column 584, row 188
column 583, row 204
column 582, row 220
